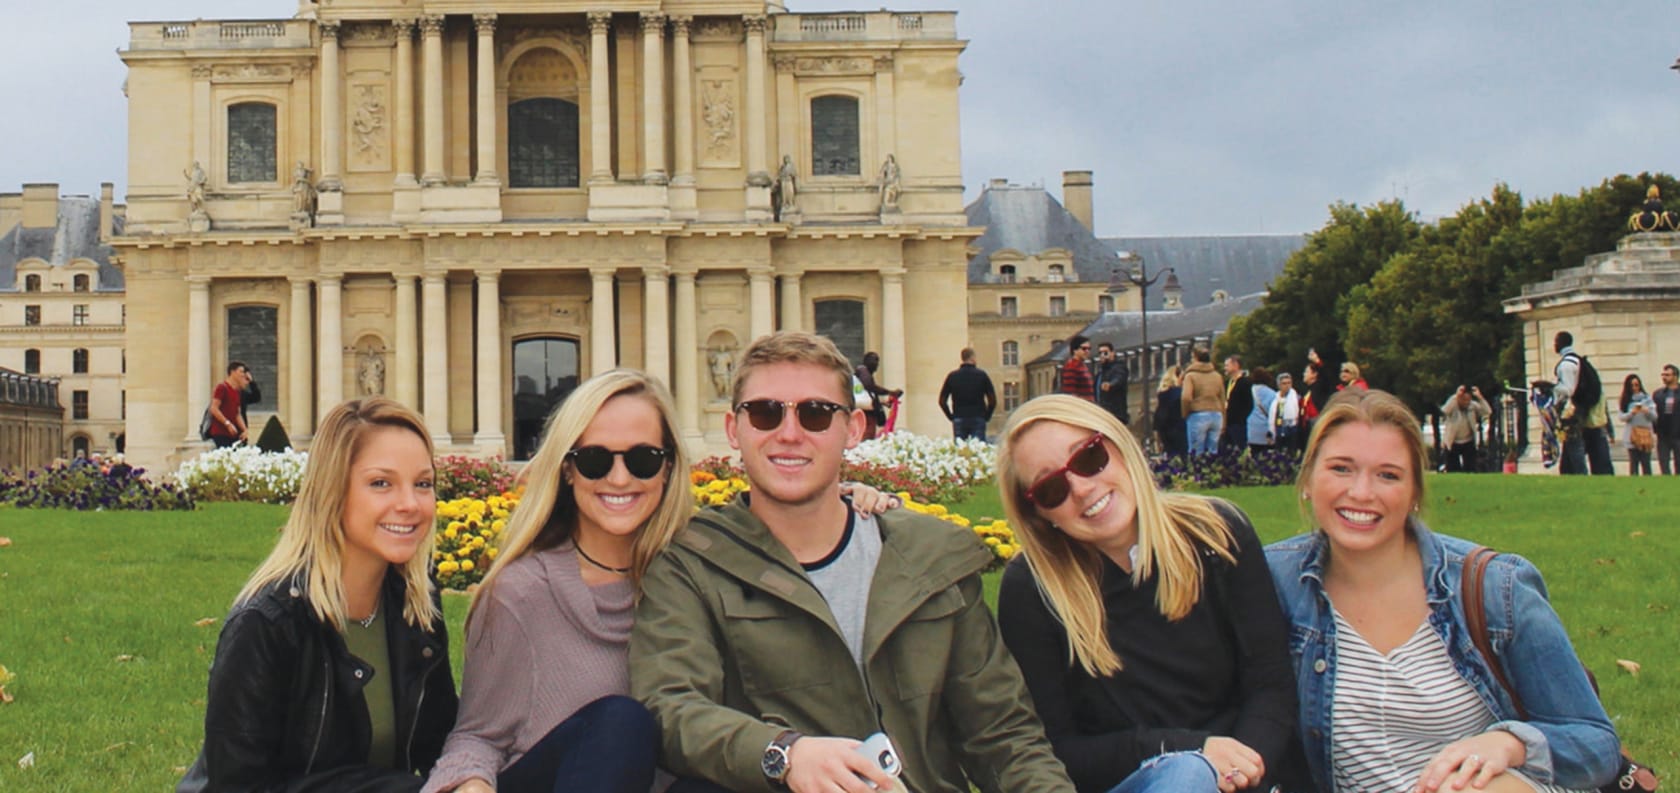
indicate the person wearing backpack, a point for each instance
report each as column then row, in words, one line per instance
column 1579, row 395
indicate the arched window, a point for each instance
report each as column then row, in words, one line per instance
column 32, row 283
column 543, row 143
column 1057, row 274
column 31, row 361
column 1011, row 353
column 1006, row 274
column 545, row 370
column 81, row 283
column 79, row 446
column 834, row 137
column 841, row 321
column 251, row 149
column 79, row 361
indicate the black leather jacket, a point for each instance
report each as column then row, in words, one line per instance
column 285, row 710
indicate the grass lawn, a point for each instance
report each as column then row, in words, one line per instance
column 99, row 613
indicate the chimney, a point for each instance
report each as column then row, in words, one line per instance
column 107, row 212
column 40, row 206
column 1076, row 196
column 997, row 184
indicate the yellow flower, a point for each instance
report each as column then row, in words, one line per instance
column 1006, row 552
column 447, row 567
column 993, row 541
column 490, row 553
column 466, row 565
column 451, row 532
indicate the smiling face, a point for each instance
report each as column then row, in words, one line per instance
column 613, row 508
column 1362, row 487
column 389, row 505
column 1100, row 510
column 788, row 464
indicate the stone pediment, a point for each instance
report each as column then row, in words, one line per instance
column 1644, row 266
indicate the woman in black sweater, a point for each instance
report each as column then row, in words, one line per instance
column 1145, row 622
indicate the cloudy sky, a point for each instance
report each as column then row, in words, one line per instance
column 1197, row 116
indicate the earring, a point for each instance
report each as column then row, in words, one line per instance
column 1305, row 497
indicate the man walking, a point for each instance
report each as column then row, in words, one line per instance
column 968, row 399
column 1202, row 402
column 1076, row 373
column 1239, row 402
column 777, row 631
column 1464, row 413
column 227, row 422
column 1112, row 380
column 1668, row 420
column 877, row 393
column 1579, row 395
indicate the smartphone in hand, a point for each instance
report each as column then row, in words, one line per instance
column 880, row 751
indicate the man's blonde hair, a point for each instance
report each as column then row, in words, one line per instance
column 790, row 346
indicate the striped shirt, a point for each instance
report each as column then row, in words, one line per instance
column 1393, row 713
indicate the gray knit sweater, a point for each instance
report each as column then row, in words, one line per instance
column 542, row 645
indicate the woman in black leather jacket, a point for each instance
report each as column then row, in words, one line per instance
column 332, row 672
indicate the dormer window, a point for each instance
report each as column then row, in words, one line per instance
column 1006, row 274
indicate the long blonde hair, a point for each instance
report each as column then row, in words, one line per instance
column 547, row 514
column 311, row 546
column 1172, row 528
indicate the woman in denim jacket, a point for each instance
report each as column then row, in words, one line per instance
column 1372, row 601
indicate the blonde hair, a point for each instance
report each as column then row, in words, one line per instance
column 1172, row 528
column 1349, row 367
column 1374, row 407
column 1170, row 377
column 789, row 346
column 547, row 514
column 311, row 546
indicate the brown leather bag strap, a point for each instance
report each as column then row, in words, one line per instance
column 1475, row 616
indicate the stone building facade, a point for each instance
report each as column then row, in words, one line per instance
column 471, row 206
column 62, row 315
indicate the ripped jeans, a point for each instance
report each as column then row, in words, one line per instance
column 1173, row 772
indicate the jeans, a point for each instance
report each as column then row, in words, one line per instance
column 608, row 746
column 972, row 427
column 1202, row 427
column 1638, row 462
column 1173, row 772
column 1668, row 449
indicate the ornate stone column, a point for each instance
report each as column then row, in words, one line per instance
column 431, row 55
column 332, row 111
column 434, row 297
column 198, row 352
column 300, row 372
column 793, row 306
column 602, row 321
column 329, row 385
column 762, row 309
column 656, row 314
column 892, row 328
column 486, row 111
column 402, row 127
column 687, row 386
column 489, row 437
column 682, row 102
column 758, row 169
column 653, row 96
column 407, row 390
column 600, row 100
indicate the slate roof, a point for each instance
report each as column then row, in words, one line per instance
column 75, row 237
column 1030, row 220
column 1124, row 329
column 1239, row 265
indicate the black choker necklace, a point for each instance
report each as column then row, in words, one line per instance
column 591, row 560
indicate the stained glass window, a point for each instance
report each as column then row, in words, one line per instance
column 543, row 143
column 834, row 136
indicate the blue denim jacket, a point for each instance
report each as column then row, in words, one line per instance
column 1569, row 739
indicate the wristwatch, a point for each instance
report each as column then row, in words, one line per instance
column 778, row 756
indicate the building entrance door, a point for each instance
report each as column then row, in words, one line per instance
column 545, row 370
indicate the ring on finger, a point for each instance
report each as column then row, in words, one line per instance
column 1475, row 758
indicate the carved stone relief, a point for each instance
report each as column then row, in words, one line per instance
column 573, row 36
column 250, row 73
column 717, row 111
column 716, row 29
column 831, row 66
column 366, row 32
column 368, row 127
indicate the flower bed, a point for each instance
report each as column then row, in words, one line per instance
column 1226, row 469
column 933, row 469
column 82, row 484
column 996, row 534
column 459, row 476
column 243, row 473
column 467, row 529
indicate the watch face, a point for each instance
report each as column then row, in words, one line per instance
column 775, row 762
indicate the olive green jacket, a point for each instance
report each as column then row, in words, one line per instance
column 732, row 644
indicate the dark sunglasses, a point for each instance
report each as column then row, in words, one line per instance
column 766, row 415
column 642, row 461
column 1051, row 489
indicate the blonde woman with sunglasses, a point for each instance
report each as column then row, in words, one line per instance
column 544, row 705
column 1145, row 622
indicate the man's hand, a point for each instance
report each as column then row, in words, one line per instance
column 819, row 765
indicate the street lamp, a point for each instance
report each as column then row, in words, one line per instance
column 1138, row 276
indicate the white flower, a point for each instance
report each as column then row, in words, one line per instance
column 245, row 473
column 968, row 461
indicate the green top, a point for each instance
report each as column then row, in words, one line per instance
column 372, row 646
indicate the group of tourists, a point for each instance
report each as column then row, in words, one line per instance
column 811, row 637
column 1583, row 414
column 1199, row 410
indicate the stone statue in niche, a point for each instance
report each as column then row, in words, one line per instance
column 370, row 374
column 197, row 218
column 303, row 197
column 891, row 185
column 722, row 361
column 787, row 189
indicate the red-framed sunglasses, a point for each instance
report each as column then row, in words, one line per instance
column 1051, row 489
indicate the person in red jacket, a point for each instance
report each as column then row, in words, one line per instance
column 1076, row 373
column 227, row 423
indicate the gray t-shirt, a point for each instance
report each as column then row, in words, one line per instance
column 844, row 575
